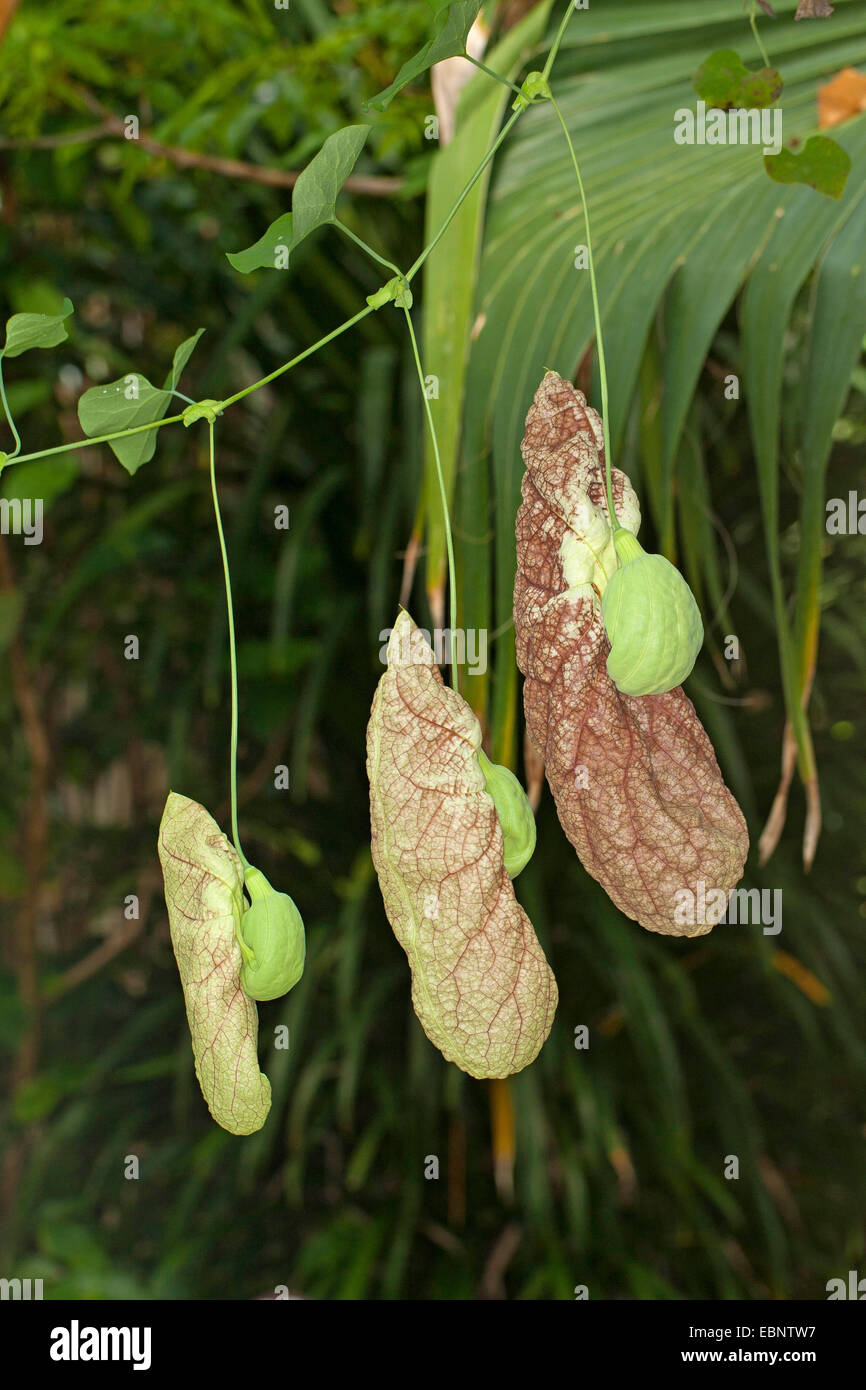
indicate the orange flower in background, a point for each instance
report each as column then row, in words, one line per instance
column 842, row 98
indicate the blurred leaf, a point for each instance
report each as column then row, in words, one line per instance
column 11, row 605
column 724, row 81
column 13, row 1014
column 47, row 479
column 37, row 1098
column 822, row 164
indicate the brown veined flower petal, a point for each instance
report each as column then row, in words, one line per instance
column 636, row 783
column 481, row 986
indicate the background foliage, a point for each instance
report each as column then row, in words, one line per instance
column 736, row 1044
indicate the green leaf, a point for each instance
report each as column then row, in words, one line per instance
column 705, row 284
column 124, row 404
column 787, row 258
column 264, row 252
column 204, row 895
column 315, row 196
column 822, row 164
column 723, row 81
column 313, row 203
column 835, row 340
column 182, row 354
column 450, row 30
column 719, row 76
column 25, row 331
column 129, row 403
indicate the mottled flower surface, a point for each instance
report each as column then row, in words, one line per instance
column 636, row 783
column 481, row 985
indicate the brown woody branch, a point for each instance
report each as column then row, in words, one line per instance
column 112, row 126
column 7, row 14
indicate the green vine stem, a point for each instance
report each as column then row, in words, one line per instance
column 560, row 35
column 753, row 21
column 308, row 352
column 520, row 107
column 449, row 541
column 97, row 439
column 176, row 419
column 462, row 196
column 10, row 458
column 232, row 651
column 602, row 369
column 482, row 67
column 501, row 137
column 210, row 409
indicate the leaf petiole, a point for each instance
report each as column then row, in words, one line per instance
column 347, row 231
column 476, row 62
column 308, row 352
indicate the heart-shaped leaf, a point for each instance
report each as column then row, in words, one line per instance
column 481, row 986
column 25, row 331
column 636, row 783
column 204, row 895
column 724, row 81
column 822, row 164
column 130, row 402
column 449, row 32
column 313, row 202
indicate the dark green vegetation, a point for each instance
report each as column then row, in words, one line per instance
column 739, row 1044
